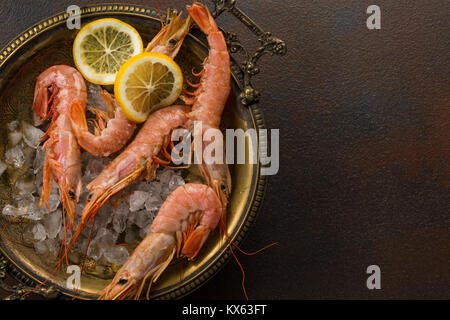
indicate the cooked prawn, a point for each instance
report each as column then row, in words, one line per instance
column 181, row 227
column 114, row 130
column 138, row 158
column 208, row 100
column 109, row 137
column 57, row 89
column 171, row 36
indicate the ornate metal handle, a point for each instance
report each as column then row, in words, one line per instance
column 249, row 67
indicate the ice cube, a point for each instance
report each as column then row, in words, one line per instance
column 15, row 157
column 95, row 99
column 25, row 184
column 28, row 235
column 83, row 196
column 132, row 235
column 24, row 198
column 31, row 135
column 87, row 230
column 85, row 158
column 143, row 218
column 60, row 236
column 52, row 247
column 13, row 125
column 10, row 210
column 40, row 247
column 145, row 231
column 151, row 187
column 164, row 176
column 119, row 220
column 26, row 207
column 53, row 202
column 122, row 209
column 74, row 257
column 95, row 166
column 155, row 188
column 28, row 153
column 39, row 232
column 38, row 182
column 137, row 200
column 2, row 168
column 94, row 252
column 105, row 237
column 104, row 215
column 117, row 255
column 175, row 182
column 142, row 186
column 33, row 212
column 14, row 137
column 53, row 224
column 38, row 162
column 153, row 203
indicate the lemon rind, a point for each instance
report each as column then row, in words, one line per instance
column 129, row 66
column 84, row 31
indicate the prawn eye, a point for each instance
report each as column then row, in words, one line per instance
column 172, row 42
column 72, row 194
column 223, row 187
column 89, row 197
column 122, row 281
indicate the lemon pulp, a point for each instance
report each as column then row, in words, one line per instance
column 103, row 46
column 147, row 82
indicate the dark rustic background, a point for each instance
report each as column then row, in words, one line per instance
column 364, row 118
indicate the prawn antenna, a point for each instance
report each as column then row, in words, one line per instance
column 232, row 244
column 159, row 13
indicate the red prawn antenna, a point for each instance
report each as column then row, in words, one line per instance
column 60, row 261
column 87, row 246
column 58, row 264
column 3, row 232
column 159, row 13
column 232, row 244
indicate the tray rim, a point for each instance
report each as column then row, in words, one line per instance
column 256, row 115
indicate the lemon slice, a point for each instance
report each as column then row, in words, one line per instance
column 147, row 82
column 102, row 47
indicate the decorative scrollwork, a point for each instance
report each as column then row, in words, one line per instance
column 223, row 5
column 17, row 291
column 249, row 67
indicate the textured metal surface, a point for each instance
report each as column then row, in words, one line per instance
column 364, row 176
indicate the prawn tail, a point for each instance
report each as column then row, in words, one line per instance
column 80, row 128
column 203, row 18
column 195, row 241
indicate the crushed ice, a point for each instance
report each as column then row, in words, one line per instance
column 119, row 224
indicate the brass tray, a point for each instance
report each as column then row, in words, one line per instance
column 49, row 42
